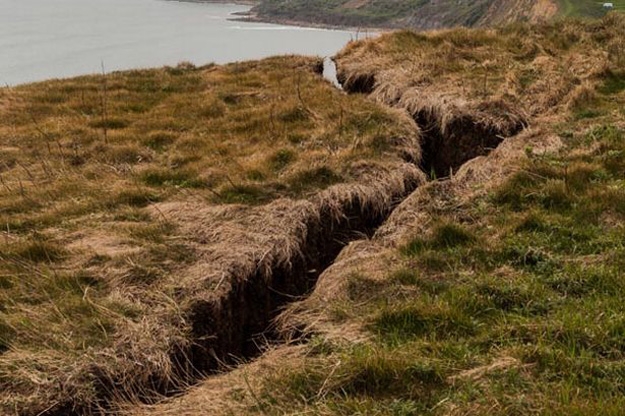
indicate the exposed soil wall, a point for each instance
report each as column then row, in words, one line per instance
column 463, row 139
column 233, row 323
column 450, row 135
column 239, row 324
column 235, row 326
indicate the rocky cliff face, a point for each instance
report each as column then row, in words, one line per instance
column 419, row 14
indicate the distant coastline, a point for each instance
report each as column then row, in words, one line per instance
column 210, row 36
column 250, row 16
column 238, row 2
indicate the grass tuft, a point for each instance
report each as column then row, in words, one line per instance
column 37, row 251
column 444, row 236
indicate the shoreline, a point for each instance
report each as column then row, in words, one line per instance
column 237, row 2
column 251, row 17
column 244, row 16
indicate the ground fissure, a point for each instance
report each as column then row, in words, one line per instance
column 447, row 140
column 427, row 275
column 221, row 236
column 240, row 324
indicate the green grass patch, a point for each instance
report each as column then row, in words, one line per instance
column 315, row 178
column 137, row 197
column 281, row 159
column 444, row 236
column 246, row 194
column 613, row 84
column 521, row 310
column 36, row 251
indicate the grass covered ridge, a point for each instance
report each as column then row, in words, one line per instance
column 427, row 14
column 90, row 266
column 532, row 68
column 507, row 304
column 468, row 89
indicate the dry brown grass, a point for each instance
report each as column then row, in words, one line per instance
column 469, row 89
column 414, row 216
column 230, row 393
column 433, row 76
column 501, row 76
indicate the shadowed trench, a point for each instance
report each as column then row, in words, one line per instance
column 239, row 326
column 448, row 142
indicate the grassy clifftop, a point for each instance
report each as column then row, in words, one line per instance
column 160, row 226
column 425, row 14
column 113, row 190
column 494, row 291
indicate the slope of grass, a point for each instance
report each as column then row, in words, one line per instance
column 508, row 303
column 88, row 262
column 419, row 14
column 511, row 304
column 425, row 14
column 339, row 11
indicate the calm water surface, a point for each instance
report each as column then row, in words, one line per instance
column 42, row 39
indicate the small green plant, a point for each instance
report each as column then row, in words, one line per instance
column 255, row 175
column 245, row 194
column 614, row 83
column 137, row 197
column 316, row 178
column 281, row 159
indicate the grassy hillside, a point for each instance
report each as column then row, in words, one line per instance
column 496, row 290
column 425, row 14
column 443, row 237
column 96, row 176
column 340, row 12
